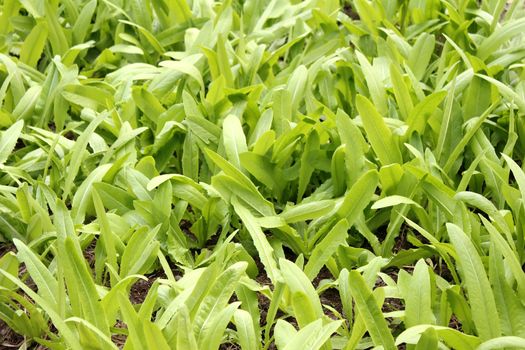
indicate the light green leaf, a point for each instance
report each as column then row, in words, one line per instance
column 379, row 135
column 483, row 306
column 372, row 316
column 307, row 211
column 326, row 248
column 502, row 342
column 260, row 241
column 313, row 336
column 34, row 44
column 234, row 139
column 245, row 330
column 454, row 338
column 8, row 140
column 418, row 301
column 392, row 201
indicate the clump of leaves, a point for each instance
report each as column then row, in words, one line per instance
column 288, row 174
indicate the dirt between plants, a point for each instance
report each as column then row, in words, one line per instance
column 6, row 248
column 117, row 338
column 139, row 290
column 9, row 339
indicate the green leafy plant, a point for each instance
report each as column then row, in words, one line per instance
column 335, row 174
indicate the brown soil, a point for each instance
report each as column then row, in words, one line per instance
column 392, row 304
column 6, row 248
column 264, row 302
column 139, row 290
column 185, row 226
column 119, row 339
column 401, row 242
column 70, row 135
column 324, row 274
column 9, row 338
column 349, row 11
column 442, row 269
column 455, row 324
column 26, row 279
column 329, row 297
column 229, row 346
column 89, row 253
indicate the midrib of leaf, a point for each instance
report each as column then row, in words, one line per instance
column 261, row 243
column 478, row 287
column 372, row 315
column 8, row 140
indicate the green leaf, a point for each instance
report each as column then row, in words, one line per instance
column 313, row 336
column 511, row 260
column 76, row 155
column 234, row 139
column 140, row 253
column 213, row 334
column 507, row 91
column 34, row 7
column 297, row 86
column 245, row 330
column 307, row 305
column 418, row 301
column 185, row 68
column 259, row 203
column 81, row 27
column 324, row 250
column 34, row 44
column 282, row 111
column 401, row 92
column 154, row 337
column 502, row 342
column 356, row 200
column 106, row 234
column 392, row 201
column 379, row 135
column 483, row 306
column 8, row 140
column 499, row 37
column 454, row 338
column 9, row 263
column 260, row 241
column 284, row 331
column 57, row 36
column 185, row 337
column 375, row 86
column 217, row 298
column 421, row 54
column 518, row 173
column 372, row 316
column 428, row 340
column 45, row 281
column 510, row 308
column 114, row 198
column 338, row 171
column 263, row 170
column 81, row 200
column 355, row 143
column 307, row 211
column 78, row 280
